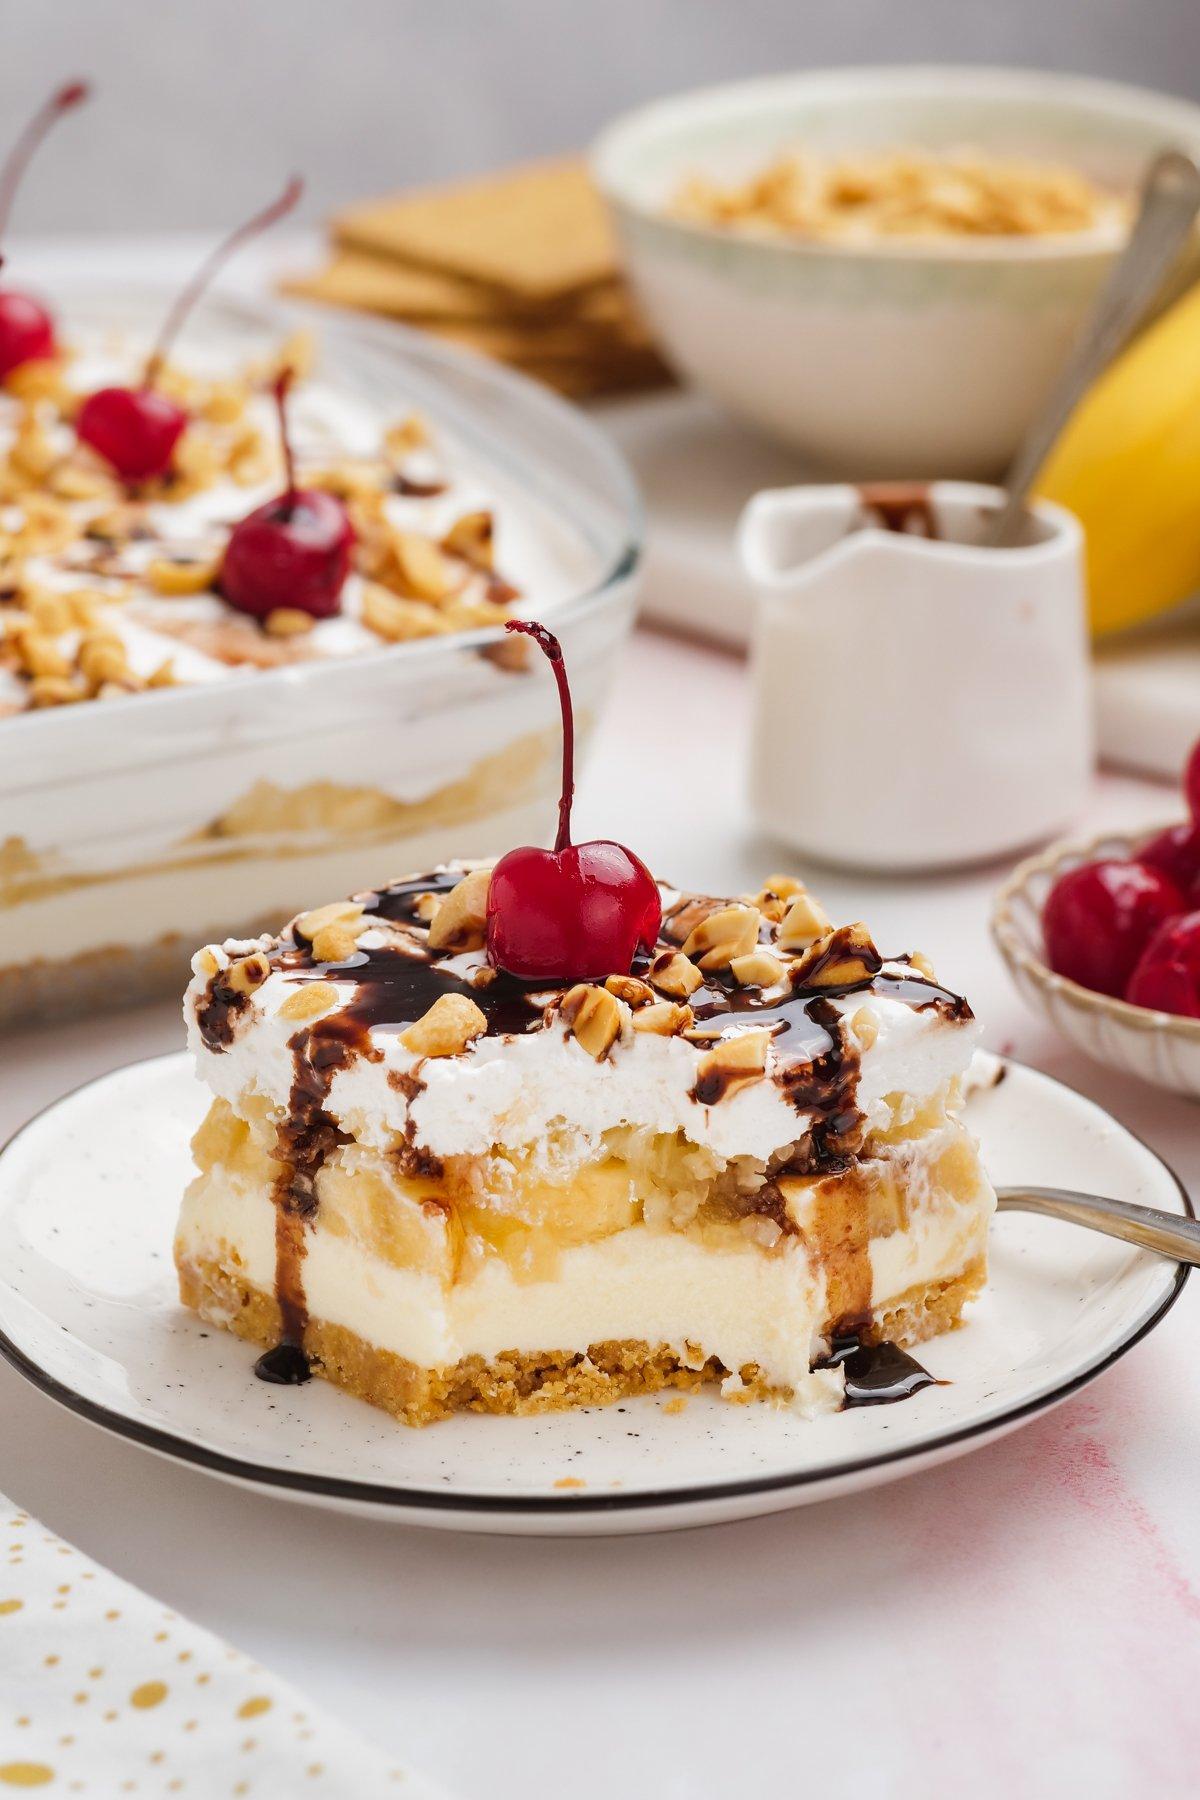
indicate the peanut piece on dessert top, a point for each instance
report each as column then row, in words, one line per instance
column 347, row 915
column 730, row 1064
column 630, row 989
column 730, row 931
column 841, row 958
column 757, row 969
column 775, row 895
column 460, row 921
column 672, row 973
column 594, row 1017
column 450, row 1026
column 248, row 973
column 308, row 1001
column 665, row 1018
column 473, row 538
column 804, row 922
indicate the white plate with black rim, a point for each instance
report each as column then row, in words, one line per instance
column 89, row 1313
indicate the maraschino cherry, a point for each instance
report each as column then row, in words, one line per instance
column 292, row 551
column 136, row 429
column 579, row 911
column 1167, row 977
column 1176, row 851
column 26, row 328
column 1099, row 918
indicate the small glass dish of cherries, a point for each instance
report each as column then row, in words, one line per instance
column 1104, row 939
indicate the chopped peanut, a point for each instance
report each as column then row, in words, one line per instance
column 308, row 1000
column 757, row 969
column 730, row 931
column 594, row 1017
column 450, row 1026
column 804, row 922
column 671, row 973
column 344, row 913
column 460, row 922
column 177, row 578
column 664, row 1018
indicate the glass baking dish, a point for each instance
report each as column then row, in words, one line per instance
column 133, row 830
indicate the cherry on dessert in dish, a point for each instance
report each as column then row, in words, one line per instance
column 1099, row 918
column 136, row 429
column 579, row 911
column 1167, row 976
column 292, row 551
column 26, row 327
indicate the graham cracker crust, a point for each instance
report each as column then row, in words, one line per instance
column 527, row 1382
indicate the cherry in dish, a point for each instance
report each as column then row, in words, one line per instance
column 135, row 429
column 1167, row 976
column 26, row 327
column 577, row 912
column 1100, row 917
column 1129, row 927
column 1176, row 851
column 294, row 550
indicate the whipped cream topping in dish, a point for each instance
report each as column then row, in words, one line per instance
column 109, row 589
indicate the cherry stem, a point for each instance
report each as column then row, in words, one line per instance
column 549, row 645
column 282, row 383
column 73, row 93
column 213, row 262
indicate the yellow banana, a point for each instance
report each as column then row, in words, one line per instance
column 1128, row 465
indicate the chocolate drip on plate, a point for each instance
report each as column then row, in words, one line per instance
column 877, row 1374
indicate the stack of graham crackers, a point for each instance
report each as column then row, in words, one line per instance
column 521, row 266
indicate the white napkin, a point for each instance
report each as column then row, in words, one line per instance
column 104, row 1692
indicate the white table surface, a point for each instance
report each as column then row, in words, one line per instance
column 1025, row 1621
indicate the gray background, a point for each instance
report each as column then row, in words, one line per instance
column 205, row 104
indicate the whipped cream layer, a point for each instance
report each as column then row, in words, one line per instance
column 532, row 1091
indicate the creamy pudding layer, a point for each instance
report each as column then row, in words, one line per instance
column 440, row 1288
column 445, row 1188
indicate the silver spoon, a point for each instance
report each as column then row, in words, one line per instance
column 1169, row 203
column 1165, row 1232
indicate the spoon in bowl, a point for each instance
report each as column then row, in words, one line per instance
column 1167, row 1233
column 1167, row 210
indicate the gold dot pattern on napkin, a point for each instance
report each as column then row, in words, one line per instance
column 104, row 1692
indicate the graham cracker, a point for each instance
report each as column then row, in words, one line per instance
column 427, row 297
column 540, row 232
column 397, row 290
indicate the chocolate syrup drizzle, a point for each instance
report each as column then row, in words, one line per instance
column 395, row 984
column 876, row 1374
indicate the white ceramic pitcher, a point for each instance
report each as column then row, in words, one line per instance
column 920, row 701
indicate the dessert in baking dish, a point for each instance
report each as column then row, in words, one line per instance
column 547, row 1133
column 228, row 674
